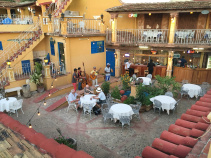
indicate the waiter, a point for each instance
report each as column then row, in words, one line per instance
column 108, row 71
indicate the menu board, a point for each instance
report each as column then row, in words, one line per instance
column 209, row 62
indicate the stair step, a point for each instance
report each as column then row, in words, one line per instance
column 56, row 104
column 45, row 95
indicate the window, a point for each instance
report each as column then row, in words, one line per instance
column 97, row 47
column 1, row 47
column 52, row 48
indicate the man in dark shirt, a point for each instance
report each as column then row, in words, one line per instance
column 183, row 61
column 150, row 66
column 74, row 79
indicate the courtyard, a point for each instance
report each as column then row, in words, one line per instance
column 93, row 136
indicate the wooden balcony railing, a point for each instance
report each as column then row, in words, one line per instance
column 192, row 36
column 136, row 36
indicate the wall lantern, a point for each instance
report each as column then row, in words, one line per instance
column 46, row 61
column 191, row 12
column 115, row 55
column 172, row 19
column 150, row 14
column 101, row 17
column 8, row 63
column 62, row 16
column 49, row 15
column 51, row 39
column 33, row 11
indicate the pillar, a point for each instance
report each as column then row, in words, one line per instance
column 173, row 21
column 102, row 27
column 9, row 13
column 47, row 71
column 50, row 27
column 11, row 75
column 43, row 8
column 64, row 27
column 170, row 62
column 201, row 59
column 117, row 63
column 114, row 27
column 22, row 13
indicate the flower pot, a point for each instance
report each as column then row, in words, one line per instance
column 26, row 91
column 40, row 88
column 143, row 108
column 73, row 143
column 149, row 107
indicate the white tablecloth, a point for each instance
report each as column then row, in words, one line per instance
column 193, row 90
column 120, row 110
column 146, row 80
column 86, row 99
column 5, row 104
column 167, row 102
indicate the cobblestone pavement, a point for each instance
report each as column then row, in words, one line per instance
column 93, row 136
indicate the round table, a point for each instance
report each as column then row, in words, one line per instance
column 193, row 90
column 168, row 103
column 120, row 110
column 146, row 80
column 86, row 99
column 5, row 104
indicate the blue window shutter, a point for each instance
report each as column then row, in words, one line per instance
column 1, row 47
column 97, row 47
column 52, row 48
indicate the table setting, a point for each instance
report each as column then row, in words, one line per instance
column 88, row 99
column 6, row 103
column 118, row 110
column 168, row 103
column 146, row 80
column 193, row 90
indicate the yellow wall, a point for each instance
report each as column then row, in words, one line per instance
column 5, row 36
column 14, row 28
column 124, row 22
column 94, row 8
column 80, row 51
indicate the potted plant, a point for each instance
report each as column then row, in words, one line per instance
column 130, row 100
column 116, row 93
column 125, row 81
column 36, row 77
column 105, row 87
column 70, row 142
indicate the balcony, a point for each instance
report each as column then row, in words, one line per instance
column 192, row 36
column 138, row 36
column 15, row 19
column 74, row 26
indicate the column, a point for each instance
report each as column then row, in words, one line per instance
column 11, row 74
column 64, row 27
column 50, row 27
column 201, row 59
column 173, row 26
column 102, row 27
column 170, row 62
column 22, row 13
column 47, row 71
column 117, row 63
column 9, row 13
column 114, row 26
column 43, row 8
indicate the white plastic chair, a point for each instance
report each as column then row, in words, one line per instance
column 149, row 76
column 16, row 106
column 71, row 105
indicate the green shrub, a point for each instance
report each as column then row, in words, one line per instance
column 130, row 100
column 115, row 93
column 168, row 84
column 105, row 87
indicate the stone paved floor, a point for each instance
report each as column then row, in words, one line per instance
column 96, row 138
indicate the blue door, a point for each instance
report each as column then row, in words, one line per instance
column 26, row 67
column 111, row 59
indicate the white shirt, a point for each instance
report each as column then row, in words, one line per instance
column 101, row 96
column 72, row 97
column 107, row 70
column 127, row 65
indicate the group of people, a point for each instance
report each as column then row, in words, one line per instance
column 77, row 75
column 73, row 97
column 128, row 64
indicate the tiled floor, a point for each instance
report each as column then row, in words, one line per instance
column 96, row 138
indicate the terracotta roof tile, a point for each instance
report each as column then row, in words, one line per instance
column 168, row 6
column 15, row 4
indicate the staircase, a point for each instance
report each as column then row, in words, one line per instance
column 18, row 49
column 61, row 8
column 25, row 40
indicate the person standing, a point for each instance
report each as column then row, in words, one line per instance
column 150, row 66
column 128, row 68
column 79, row 72
column 108, row 71
column 183, row 61
column 74, row 79
column 93, row 76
